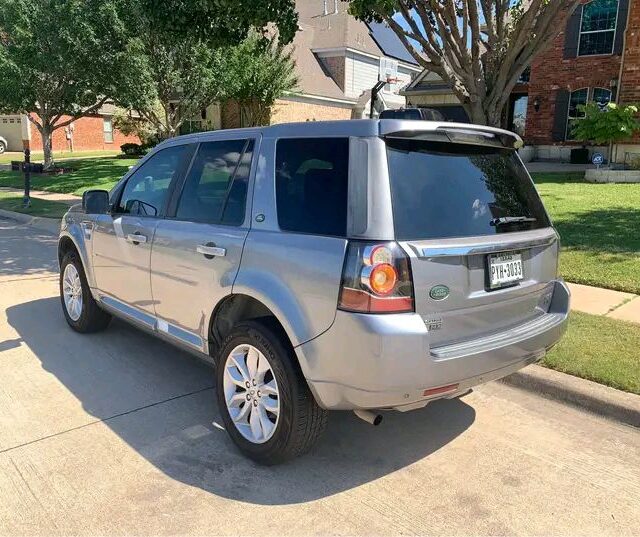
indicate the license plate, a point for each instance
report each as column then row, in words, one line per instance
column 505, row 269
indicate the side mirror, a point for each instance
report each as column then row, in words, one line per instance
column 95, row 202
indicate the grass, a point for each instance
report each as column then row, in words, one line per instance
column 38, row 156
column 89, row 173
column 600, row 349
column 599, row 226
column 11, row 201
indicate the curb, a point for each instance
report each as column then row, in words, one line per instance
column 584, row 394
column 49, row 225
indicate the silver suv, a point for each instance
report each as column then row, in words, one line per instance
column 349, row 265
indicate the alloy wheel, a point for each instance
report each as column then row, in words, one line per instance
column 251, row 393
column 72, row 291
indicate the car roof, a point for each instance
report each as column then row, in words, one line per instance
column 349, row 127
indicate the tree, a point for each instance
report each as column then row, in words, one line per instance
column 222, row 22
column 186, row 77
column 609, row 125
column 479, row 47
column 205, row 50
column 255, row 74
column 63, row 58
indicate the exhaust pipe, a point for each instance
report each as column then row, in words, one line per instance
column 369, row 417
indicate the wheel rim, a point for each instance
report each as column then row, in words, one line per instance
column 72, row 292
column 251, row 393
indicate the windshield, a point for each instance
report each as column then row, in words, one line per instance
column 443, row 190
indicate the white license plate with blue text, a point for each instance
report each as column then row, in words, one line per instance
column 505, row 269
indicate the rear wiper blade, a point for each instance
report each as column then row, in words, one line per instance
column 511, row 220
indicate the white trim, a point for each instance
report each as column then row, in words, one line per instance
column 614, row 30
column 307, row 97
column 339, row 51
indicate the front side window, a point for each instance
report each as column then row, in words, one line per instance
column 216, row 188
column 598, row 27
column 312, row 185
column 443, row 190
column 145, row 192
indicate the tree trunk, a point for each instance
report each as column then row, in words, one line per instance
column 46, row 134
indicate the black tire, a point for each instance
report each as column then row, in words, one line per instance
column 3, row 147
column 92, row 317
column 301, row 421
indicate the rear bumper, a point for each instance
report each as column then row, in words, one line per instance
column 386, row 361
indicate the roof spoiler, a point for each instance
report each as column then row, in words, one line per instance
column 459, row 133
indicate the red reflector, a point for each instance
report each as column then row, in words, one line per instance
column 441, row 389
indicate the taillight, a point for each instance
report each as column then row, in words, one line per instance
column 376, row 279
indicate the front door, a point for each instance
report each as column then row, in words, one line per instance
column 197, row 248
column 122, row 240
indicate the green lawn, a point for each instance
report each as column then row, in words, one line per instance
column 599, row 225
column 12, row 201
column 600, row 349
column 89, row 173
column 37, row 156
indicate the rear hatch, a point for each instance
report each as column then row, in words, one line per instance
column 483, row 252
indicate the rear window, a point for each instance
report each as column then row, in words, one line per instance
column 312, row 185
column 444, row 190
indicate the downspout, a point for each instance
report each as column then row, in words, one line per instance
column 624, row 53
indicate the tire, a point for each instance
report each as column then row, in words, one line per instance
column 3, row 147
column 88, row 317
column 300, row 421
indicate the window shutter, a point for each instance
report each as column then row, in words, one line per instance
column 560, row 119
column 572, row 34
column 621, row 26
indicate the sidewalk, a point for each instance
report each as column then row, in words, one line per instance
column 69, row 199
column 597, row 301
column 552, row 166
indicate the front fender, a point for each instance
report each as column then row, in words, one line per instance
column 78, row 229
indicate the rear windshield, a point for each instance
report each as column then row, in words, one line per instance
column 443, row 190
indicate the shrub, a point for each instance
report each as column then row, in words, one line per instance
column 132, row 149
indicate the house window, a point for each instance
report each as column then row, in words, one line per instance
column 577, row 99
column 107, row 127
column 600, row 96
column 598, row 27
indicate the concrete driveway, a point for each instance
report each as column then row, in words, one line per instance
column 116, row 433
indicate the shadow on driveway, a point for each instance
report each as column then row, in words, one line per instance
column 122, row 370
column 26, row 251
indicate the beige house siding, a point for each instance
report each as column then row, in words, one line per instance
column 11, row 130
column 289, row 110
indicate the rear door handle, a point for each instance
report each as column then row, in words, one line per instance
column 210, row 251
column 136, row 238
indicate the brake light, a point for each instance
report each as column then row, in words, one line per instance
column 376, row 279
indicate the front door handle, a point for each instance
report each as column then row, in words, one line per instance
column 136, row 238
column 210, row 250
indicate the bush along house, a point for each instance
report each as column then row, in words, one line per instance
column 596, row 58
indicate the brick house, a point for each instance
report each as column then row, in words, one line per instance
column 338, row 60
column 596, row 58
column 94, row 132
